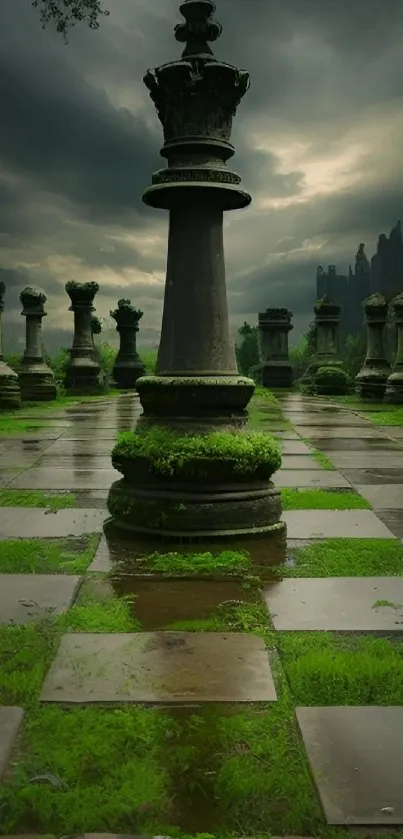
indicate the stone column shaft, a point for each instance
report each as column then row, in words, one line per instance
column 10, row 393
column 36, row 379
column 33, row 337
column 371, row 380
column 83, row 371
column 200, row 344
column 394, row 385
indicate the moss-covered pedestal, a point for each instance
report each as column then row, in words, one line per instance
column 196, row 486
column 394, row 385
column 197, row 388
column 275, row 369
column 10, row 393
column 83, row 373
column 128, row 366
column 327, row 321
column 36, row 379
column 370, row 383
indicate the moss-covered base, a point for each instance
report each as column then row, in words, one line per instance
column 10, row 393
column 394, row 388
column 200, row 397
column 180, row 514
column 125, row 373
column 37, row 386
column 371, row 383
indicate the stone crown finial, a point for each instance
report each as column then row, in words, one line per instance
column 198, row 29
column 32, row 298
column 126, row 314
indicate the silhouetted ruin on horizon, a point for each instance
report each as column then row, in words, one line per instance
column 382, row 275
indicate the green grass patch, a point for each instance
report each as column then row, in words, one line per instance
column 347, row 558
column 97, row 609
column 322, row 459
column 324, row 668
column 224, row 562
column 266, row 395
column 231, row 616
column 34, row 498
column 26, row 653
column 322, row 499
column 47, row 556
column 392, row 417
column 11, row 426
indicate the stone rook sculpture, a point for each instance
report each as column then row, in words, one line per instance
column 96, row 329
column 10, row 393
column 275, row 370
column 83, row 372
column 128, row 366
column 394, row 386
column 370, row 383
column 327, row 320
column 37, row 381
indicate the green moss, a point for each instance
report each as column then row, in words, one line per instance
column 322, row 499
column 392, row 417
column 231, row 616
column 347, row 558
column 224, row 562
column 97, row 609
column 323, row 460
column 173, row 454
column 26, row 653
column 266, row 395
column 10, row 427
column 33, row 498
column 47, row 556
column 324, row 668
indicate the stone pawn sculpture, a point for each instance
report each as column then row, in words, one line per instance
column 36, row 379
column 370, row 383
column 83, row 373
column 128, row 366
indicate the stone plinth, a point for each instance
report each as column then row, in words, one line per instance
column 327, row 321
column 394, row 385
column 370, row 383
column 275, row 369
column 128, row 366
column 197, row 388
column 10, row 393
column 83, row 372
column 36, row 379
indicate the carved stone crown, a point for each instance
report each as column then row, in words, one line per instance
column 126, row 315
column 33, row 300
column 376, row 308
column 281, row 315
column 81, row 294
column 327, row 308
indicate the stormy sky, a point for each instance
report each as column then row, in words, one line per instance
column 318, row 143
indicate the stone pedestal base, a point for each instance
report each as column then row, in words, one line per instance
column 275, row 374
column 394, row 388
column 83, row 378
column 10, row 393
column 371, row 384
column 126, row 373
column 189, row 513
column 37, row 383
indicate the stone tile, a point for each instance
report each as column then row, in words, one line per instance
column 349, row 431
column 393, row 430
column 101, row 434
column 331, row 524
column 316, row 478
column 393, row 519
column 355, row 755
column 336, row 604
column 327, row 421
column 102, row 562
column 160, row 667
column 67, row 479
column 383, row 496
column 27, row 597
column 367, row 444
column 37, row 435
column 295, row 447
column 10, row 720
column 30, row 522
column 368, row 460
column 75, row 461
column 303, row 461
column 88, row 448
column 369, row 477
column 8, row 475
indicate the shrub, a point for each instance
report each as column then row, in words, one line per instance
column 331, row 380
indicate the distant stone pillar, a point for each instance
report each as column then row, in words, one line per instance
column 36, row 379
column 83, row 372
column 275, row 370
column 10, row 393
column 128, row 366
column 394, row 385
column 327, row 322
column 370, row 383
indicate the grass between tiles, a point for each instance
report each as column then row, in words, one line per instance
column 48, row 556
column 322, row 499
column 345, row 558
column 34, row 498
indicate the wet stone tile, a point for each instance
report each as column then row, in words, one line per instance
column 355, row 755
column 393, row 519
column 303, row 461
column 348, row 431
column 383, row 496
column 313, row 478
column 355, row 444
column 8, row 475
column 336, row 604
column 326, row 421
column 295, row 447
column 160, row 667
column 67, row 479
column 375, row 475
column 331, row 524
column 393, row 431
column 368, row 460
column 75, row 461
column 31, row 522
column 10, row 721
column 27, row 597
column 88, row 448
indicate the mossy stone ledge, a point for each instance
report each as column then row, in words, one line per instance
column 196, row 486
